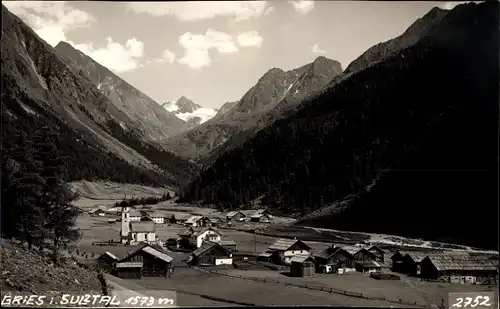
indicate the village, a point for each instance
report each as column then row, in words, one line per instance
column 174, row 248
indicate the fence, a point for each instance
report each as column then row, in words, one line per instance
column 316, row 288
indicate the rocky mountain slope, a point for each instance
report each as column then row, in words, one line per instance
column 410, row 142
column 275, row 91
column 39, row 89
column 225, row 108
column 153, row 122
column 193, row 114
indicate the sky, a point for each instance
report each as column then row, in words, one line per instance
column 213, row 52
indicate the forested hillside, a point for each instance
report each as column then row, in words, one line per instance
column 422, row 125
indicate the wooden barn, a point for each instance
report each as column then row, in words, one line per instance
column 398, row 262
column 283, row 250
column 459, row 268
column 302, row 266
column 154, row 261
column 262, row 218
column 128, row 270
column 378, row 252
column 411, row 263
column 211, row 254
column 234, row 216
column 332, row 258
column 368, row 266
column 106, row 261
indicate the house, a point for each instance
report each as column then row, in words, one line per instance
column 302, row 266
column 284, row 249
column 333, row 258
column 181, row 218
column 398, row 262
column 262, row 218
column 263, row 212
column 129, row 270
column 360, row 253
column 154, row 261
column 459, row 268
column 159, row 217
column 106, row 261
column 233, row 216
column 368, row 266
column 142, row 231
column 135, row 215
column 378, row 252
column 411, row 263
column 99, row 211
column 214, row 222
column 211, row 254
column 229, row 245
column 194, row 237
column 196, row 221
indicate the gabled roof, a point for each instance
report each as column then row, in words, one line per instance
column 461, row 262
column 416, row 257
column 234, row 213
column 199, row 231
column 284, row 244
column 193, row 219
column 186, row 232
column 398, row 253
column 129, row 265
column 98, row 209
column 107, row 253
column 329, row 251
column 206, row 247
column 375, row 247
column 259, row 215
column 301, row 258
column 162, row 256
column 182, row 216
column 142, row 227
column 262, row 212
column 354, row 250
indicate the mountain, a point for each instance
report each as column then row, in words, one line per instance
column 275, row 92
column 225, row 108
column 154, row 123
column 405, row 146
column 190, row 112
column 41, row 92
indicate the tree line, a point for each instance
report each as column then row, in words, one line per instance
column 146, row 200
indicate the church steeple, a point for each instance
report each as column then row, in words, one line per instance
column 125, row 231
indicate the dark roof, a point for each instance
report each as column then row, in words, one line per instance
column 143, row 245
column 234, row 213
column 461, row 262
column 375, row 247
column 107, row 253
column 329, row 251
column 142, row 227
column 206, row 247
column 301, row 258
column 284, row 244
column 417, row 257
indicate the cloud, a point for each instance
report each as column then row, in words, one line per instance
column 303, row 7
column 114, row 56
column 317, row 50
column 449, row 5
column 250, row 39
column 167, row 56
column 197, row 47
column 202, row 10
column 51, row 20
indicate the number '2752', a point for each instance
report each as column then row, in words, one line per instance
column 471, row 300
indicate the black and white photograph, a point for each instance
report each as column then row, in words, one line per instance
column 250, row 153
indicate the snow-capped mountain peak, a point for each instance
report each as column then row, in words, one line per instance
column 189, row 111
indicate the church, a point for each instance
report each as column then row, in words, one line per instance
column 136, row 232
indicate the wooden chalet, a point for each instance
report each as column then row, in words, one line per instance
column 211, row 254
column 459, row 268
column 197, row 221
column 154, row 260
column 99, row 211
column 106, row 261
column 234, row 216
column 333, row 258
column 129, row 270
column 262, row 218
column 398, row 262
column 302, row 266
column 360, row 253
column 283, row 250
column 411, row 263
column 378, row 252
column 181, row 218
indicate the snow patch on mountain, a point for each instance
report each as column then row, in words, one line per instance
column 187, row 110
